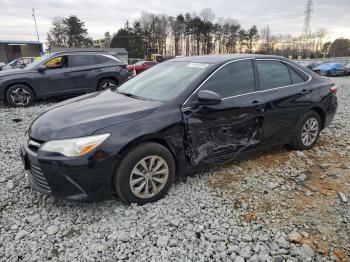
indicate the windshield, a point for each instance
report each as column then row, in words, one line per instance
column 37, row 62
column 13, row 62
column 163, row 82
column 139, row 63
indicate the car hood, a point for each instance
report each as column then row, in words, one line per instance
column 83, row 115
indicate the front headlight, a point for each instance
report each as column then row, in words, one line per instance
column 74, row 146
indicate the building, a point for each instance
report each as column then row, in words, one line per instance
column 121, row 53
column 10, row 50
column 100, row 43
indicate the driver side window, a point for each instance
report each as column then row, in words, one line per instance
column 233, row 79
column 57, row 62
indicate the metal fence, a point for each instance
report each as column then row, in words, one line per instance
column 340, row 60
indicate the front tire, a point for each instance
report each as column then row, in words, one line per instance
column 145, row 174
column 107, row 84
column 19, row 95
column 307, row 132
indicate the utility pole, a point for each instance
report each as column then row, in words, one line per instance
column 36, row 27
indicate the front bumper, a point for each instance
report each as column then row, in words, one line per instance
column 81, row 178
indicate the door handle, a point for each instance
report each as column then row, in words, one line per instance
column 66, row 74
column 255, row 102
column 98, row 70
column 305, row 91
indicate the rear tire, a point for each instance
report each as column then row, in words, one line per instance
column 307, row 131
column 19, row 95
column 145, row 174
column 107, row 84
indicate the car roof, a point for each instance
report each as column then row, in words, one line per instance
column 216, row 59
column 81, row 53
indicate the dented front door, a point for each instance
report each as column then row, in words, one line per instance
column 217, row 134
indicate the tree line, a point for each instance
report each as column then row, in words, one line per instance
column 185, row 34
column 196, row 34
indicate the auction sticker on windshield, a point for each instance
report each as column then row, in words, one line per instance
column 197, row 65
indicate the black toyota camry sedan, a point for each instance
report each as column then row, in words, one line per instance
column 173, row 118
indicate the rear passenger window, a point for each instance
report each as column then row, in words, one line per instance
column 296, row 79
column 272, row 74
column 80, row 60
column 100, row 59
column 233, row 79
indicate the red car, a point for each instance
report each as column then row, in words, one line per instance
column 140, row 67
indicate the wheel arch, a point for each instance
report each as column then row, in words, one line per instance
column 18, row 83
column 107, row 77
column 321, row 114
column 144, row 139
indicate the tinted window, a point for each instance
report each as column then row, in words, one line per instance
column 272, row 74
column 296, row 79
column 100, row 59
column 233, row 79
column 80, row 60
column 140, row 63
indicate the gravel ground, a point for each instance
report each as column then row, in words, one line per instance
column 277, row 206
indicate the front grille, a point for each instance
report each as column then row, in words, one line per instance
column 38, row 179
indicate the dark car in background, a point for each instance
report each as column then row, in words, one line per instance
column 312, row 65
column 140, row 66
column 21, row 62
column 178, row 116
column 62, row 74
column 347, row 69
column 330, row 69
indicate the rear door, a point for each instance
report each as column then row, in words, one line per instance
column 286, row 96
column 218, row 133
column 84, row 72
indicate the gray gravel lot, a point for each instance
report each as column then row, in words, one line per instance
column 280, row 206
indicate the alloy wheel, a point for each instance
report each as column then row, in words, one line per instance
column 20, row 97
column 107, row 85
column 309, row 131
column 149, row 176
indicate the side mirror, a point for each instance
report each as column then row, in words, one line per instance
column 206, row 97
column 41, row 68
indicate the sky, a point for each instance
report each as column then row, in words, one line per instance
column 283, row 16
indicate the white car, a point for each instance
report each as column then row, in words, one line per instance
column 21, row 62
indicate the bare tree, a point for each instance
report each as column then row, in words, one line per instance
column 320, row 36
column 207, row 15
column 268, row 41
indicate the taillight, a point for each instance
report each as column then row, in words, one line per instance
column 333, row 89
